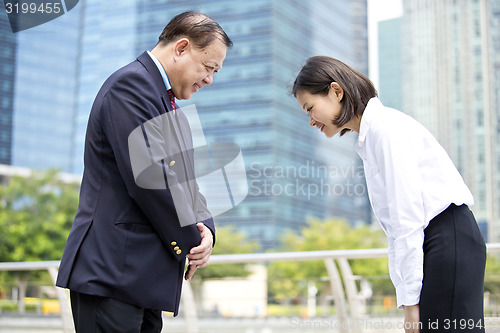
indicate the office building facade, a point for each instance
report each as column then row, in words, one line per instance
column 450, row 83
column 44, row 93
column 7, row 71
column 389, row 63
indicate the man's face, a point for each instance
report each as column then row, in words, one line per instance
column 194, row 67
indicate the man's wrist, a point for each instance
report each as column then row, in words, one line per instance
column 212, row 233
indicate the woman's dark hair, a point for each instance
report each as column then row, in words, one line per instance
column 316, row 77
column 201, row 29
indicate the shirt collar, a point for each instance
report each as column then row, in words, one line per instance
column 162, row 71
column 367, row 118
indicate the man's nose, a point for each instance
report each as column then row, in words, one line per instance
column 209, row 79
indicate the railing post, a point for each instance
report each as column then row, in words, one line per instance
column 338, row 294
column 64, row 303
column 189, row 306
column 350, row 288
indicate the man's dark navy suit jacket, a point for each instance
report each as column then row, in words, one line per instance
column 126, row 241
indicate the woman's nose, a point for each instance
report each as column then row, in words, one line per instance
column 312, row 122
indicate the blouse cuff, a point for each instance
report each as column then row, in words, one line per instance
column 408, row 294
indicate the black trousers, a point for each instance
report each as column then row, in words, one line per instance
column 451, row 299
column 94, row 314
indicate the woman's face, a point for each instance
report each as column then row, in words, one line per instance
column 322, row 110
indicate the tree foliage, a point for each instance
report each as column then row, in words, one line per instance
column 36, row 214
column 287, row 279
column 492, row 278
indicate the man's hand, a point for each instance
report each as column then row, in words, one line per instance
column 199, row 256
column 412, row 318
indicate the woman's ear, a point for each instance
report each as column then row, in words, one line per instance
column 337, row 90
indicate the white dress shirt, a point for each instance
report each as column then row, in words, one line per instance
column 161, row 70
column 410, row 180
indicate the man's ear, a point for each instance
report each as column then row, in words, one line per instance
column 337, row 90
column 181, row 47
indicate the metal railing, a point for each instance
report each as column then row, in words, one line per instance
column 344, row 289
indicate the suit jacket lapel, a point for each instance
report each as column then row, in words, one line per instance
column 150, row 65
column 147, row 62
column 176, row 121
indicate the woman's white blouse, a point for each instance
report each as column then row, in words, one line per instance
column 410, row 180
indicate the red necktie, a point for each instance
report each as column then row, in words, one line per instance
column 172, row 100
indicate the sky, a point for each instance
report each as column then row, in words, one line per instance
column 379, row 10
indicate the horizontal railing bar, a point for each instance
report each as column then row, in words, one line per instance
column 297, row 256
column 248, row 257
column 311, row 255
column 28, row 265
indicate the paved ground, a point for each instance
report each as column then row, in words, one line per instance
column 41, row 324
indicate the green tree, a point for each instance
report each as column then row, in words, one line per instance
column 286, row 279
column 36, row 214
column 492, row 278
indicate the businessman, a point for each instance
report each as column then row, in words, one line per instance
column 125, row 256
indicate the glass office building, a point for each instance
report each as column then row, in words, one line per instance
column 107, row 41
column 451, row 77
column 44, row 93
column 491, row 12
column 293, row 172
column 7, row 71
column 389, row 63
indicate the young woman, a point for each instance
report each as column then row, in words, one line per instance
column 437, row 254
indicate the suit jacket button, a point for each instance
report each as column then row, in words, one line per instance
column 173, row 243
column 176, row 248
column 172, row 163
column 179, row 252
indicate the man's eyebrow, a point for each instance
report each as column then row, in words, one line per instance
column 213, row 63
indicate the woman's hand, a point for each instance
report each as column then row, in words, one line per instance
column 412, row 318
